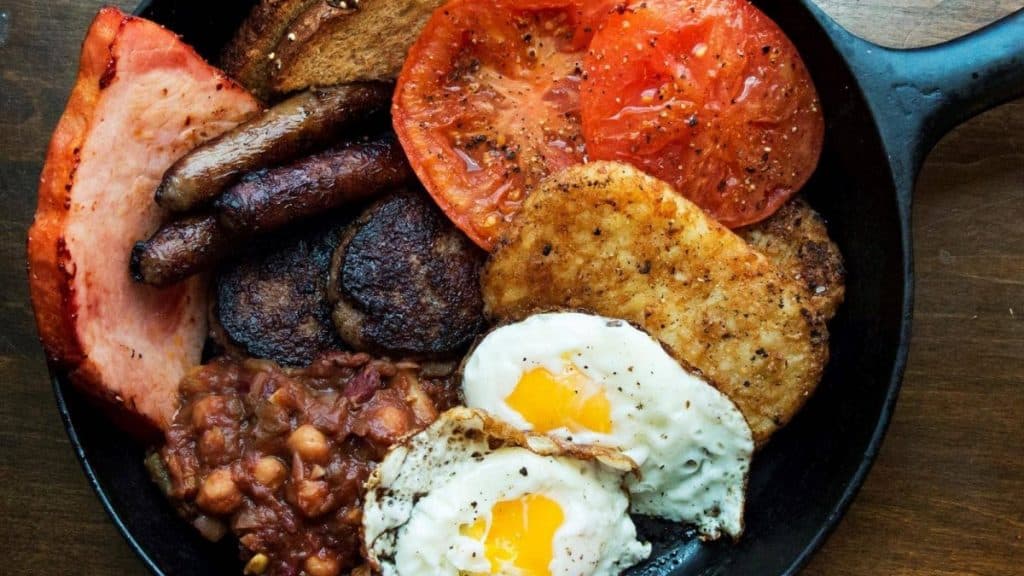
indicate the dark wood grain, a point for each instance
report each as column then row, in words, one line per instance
column 945, row 497
column 52, row 522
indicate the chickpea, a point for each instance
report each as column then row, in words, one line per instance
column 391, row 423
column 309, row 443
column 324, row 565
column 212, row 445
column 422, row 406
column 280, row 398
column 219, row 494
column 312, row 498
column 206, row 410
column 270, row 472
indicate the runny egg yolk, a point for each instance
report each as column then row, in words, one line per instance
column 570, row 400
column 521, row 534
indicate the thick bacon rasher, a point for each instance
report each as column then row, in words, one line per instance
column 142, row 99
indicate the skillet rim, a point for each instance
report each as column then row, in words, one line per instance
column 856, row 481
column 903, row 186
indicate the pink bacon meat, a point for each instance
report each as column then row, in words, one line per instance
column 142, row 99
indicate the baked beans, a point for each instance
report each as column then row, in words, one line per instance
column 279, row 456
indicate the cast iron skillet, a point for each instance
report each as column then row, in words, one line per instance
column 884, row 109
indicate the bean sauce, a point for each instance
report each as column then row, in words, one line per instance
column 278, row 456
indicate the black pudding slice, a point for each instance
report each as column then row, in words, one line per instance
column 405, row 281
column 272, row 301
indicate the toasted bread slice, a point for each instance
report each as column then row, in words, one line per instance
column 796, row 241
column 607, row 238
column 355, row 40
column 249, row 58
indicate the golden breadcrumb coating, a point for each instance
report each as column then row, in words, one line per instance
column 796, row 241
column 607, row 238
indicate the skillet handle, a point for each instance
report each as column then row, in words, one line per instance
column 964, row 77
column 919, row 95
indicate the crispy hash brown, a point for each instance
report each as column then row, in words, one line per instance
column 796, row 241
column 607, row 238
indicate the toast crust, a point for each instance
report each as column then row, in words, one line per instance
column 328, row 45
column 249, row 57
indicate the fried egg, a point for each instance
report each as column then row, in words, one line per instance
column 470, row 495
column 589, row 380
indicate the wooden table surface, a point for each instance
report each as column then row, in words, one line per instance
column 946, row 496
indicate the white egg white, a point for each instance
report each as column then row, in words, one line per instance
column 454, row 472
column 692, row 445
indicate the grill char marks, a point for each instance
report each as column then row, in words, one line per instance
column 406, row 282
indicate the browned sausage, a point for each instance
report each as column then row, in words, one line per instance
column 265, row 201
column 180, row 249
column 268, row 200
column 294, row 127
